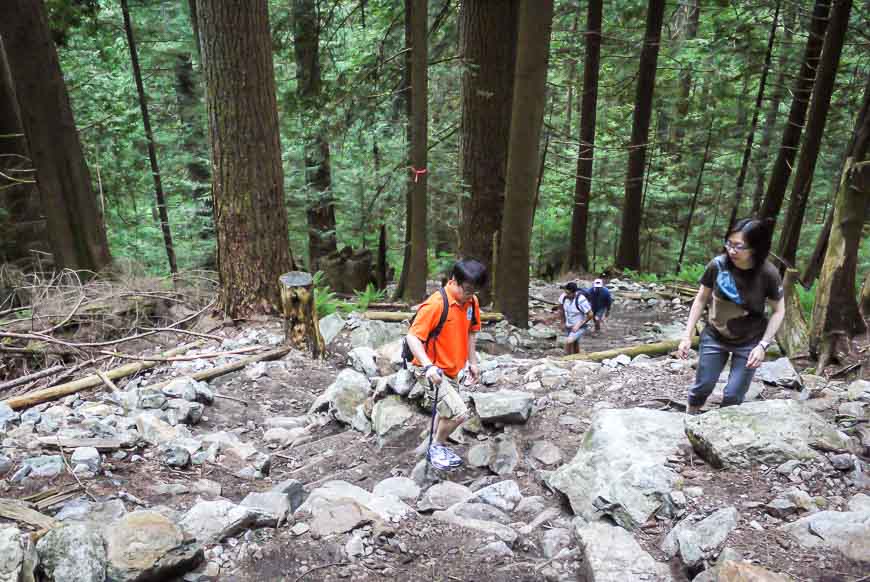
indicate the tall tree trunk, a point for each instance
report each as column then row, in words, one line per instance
column 695, row 198
column 690, row 13
column 628, row 256
column 818, row 115
column 248, row 180
column 23, row 227
column 836, row 317
column 488, row 37
column 770, row 117
column 159, row 195
column 527, row 117
column 418, row 264
column 747, row 151
column 75, row 224
column 405, row 95
column 791, row 135
column 188, row 95
column 317, row 171
column 578, row 256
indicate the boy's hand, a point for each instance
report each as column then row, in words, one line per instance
column 433, row 374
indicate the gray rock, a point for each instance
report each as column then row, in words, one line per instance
column 769, row 432
column 5, row 464
column 504, row 495
column 555, row 540
column 362, row 359
column 859, row 502
column 271, row 507
column 443, row 495
column 342, row 397
column 848, row 532
column 207, row 487
column 855, row 409
column 155, row 431
column 321, row 501
column 506, row 406
column 611, row 554
column 212, row 521
column 151, row 399
column 843, row 461
column 7, row 415
column 286, row 422
column 204, row 394
column 282, row 436
column 175, row 456
column 147, row 546
column 331, row 326
column 502, row 532
column 619, row 469
column 45, row 466
column 17, row 556
column 859, row 390
column 480, row 455
column 530, row 506
column 739, row 571
column 374, row 334
column 183, row 387
column 187, row 412
column 779, row 372
column 497, row 549
column 696, row 542
column 87, row 456
column 293, row 490
column 390, row 415
column 401, row 487
column 72, row 553
column 481, row 512
column 546, row 452
column 505, row 455
column 81, row 509
column 790, row 502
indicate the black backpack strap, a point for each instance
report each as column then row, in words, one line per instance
column 434, row 333
column 473, row 310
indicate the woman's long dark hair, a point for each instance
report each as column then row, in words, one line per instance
column 758, row 234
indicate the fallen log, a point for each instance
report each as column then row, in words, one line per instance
column 399, row 316
column 656, row 349
column 30, row 377
column 101, row 444
column 17, row 511
column 44, row 395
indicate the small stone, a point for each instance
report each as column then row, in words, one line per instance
column 546, row 452
column 299, row 528
column 87, row 456
column 175, row 456
column 843, row 461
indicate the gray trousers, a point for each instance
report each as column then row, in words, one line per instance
column 713, row 355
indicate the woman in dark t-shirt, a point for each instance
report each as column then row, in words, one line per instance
column 740, row 282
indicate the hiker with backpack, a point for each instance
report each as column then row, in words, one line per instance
column 601, row 300
column 740, row 282
column 575, row 313
column 442, row 339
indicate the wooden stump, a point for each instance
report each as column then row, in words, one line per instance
column 301, row 329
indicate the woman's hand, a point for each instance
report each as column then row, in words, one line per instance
column 756, row 357
column 684, row 347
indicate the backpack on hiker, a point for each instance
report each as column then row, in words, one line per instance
column 407, row 355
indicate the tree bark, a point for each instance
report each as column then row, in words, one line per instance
column 814, row 265
column 794, row 334
column 695, row 199
column 628, row 256
column 318, row 173
column 691, row 12
column 301, row 329
column 747, row 151
column 188, row 95
column 791, row 136
column 381, row 269
column 159, row 196
column 405, row 94
column 488, row 37
column 23, row 227
column 770, row 117
column 818, row 115
column 248, row 180
column 418, row 265
column 75, row 224
column 578, row 255
column 836, row 317
column 527, row 116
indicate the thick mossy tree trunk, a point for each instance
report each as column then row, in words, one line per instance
column 527, row 117
column 836, row 317
column 628, row 255
column 794, row 334
column 75, row 223
column 405, row 98
column 791, row 135
column 248, row 181
column 317, row 171
column 578, row 256
column 818, row 115
column 488, row 37
column 23, row 228
column 418, row 264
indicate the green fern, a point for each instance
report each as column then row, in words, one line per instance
column 369, row 296
column 325, row 301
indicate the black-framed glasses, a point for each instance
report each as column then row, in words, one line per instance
column 735, row 246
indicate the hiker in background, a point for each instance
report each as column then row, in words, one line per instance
column 440, row 360
column 601, row 300
column 575, row 314
column 740, row 281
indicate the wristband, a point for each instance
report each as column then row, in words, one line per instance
column 764, row 345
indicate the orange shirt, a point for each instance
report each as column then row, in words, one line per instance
column 449, row 351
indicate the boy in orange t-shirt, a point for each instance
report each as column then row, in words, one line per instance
column 443, row 358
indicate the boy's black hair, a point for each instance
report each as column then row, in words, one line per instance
column 758, row 234
column 470, row 271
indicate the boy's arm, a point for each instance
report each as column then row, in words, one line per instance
column 473, row 367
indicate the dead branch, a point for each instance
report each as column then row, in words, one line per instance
column 30, row 377
column 106, row 380
column 181, row 358
column 206, row 375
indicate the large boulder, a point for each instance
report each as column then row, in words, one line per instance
column 145, row 546
column 739, row 571
column 845, row 531
column 696, row 542
column 321, row 501
column 455, row 516
column 779, row 372
column 73, row 552
column 619, row 469
column 330, row 326
column 374, row 334
column 611, row 554
column 390, row 415
column 342, row 397
column 17, row 556
column 212, row 521
column 507, row 406
column 769, row 432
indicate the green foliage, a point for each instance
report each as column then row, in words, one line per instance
column 325, row 301
column 369, row 296
column 806, row 297
column 691, row 273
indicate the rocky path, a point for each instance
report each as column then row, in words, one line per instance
column 297, row 470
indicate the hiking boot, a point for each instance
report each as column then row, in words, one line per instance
column 692, row 410
column 443, row 458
